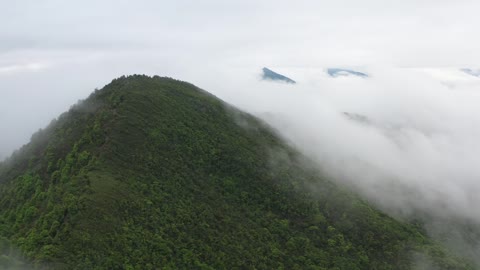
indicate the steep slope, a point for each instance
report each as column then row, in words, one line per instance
column 154, row 173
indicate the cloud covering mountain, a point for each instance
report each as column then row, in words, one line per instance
column 421, row 151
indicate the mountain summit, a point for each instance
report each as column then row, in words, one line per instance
column 341, row 72
column 472, row 72
column 155, row 173
column 273, row 76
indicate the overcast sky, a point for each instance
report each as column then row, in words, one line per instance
column 419, row 149
column 54, row 52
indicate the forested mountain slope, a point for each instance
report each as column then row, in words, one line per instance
column 154, row 173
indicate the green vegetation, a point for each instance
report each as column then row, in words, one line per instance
column 154, row 173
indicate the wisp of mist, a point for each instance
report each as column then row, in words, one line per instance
column 406, row 140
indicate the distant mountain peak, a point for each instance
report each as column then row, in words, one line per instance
column 472, row 72
column 341, row 72
column 269, row 74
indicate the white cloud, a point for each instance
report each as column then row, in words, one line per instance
column 10, row 69
column 418, row 151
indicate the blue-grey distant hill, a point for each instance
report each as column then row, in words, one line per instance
column 469, row 71
column 340, row 72
column 269, row 74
